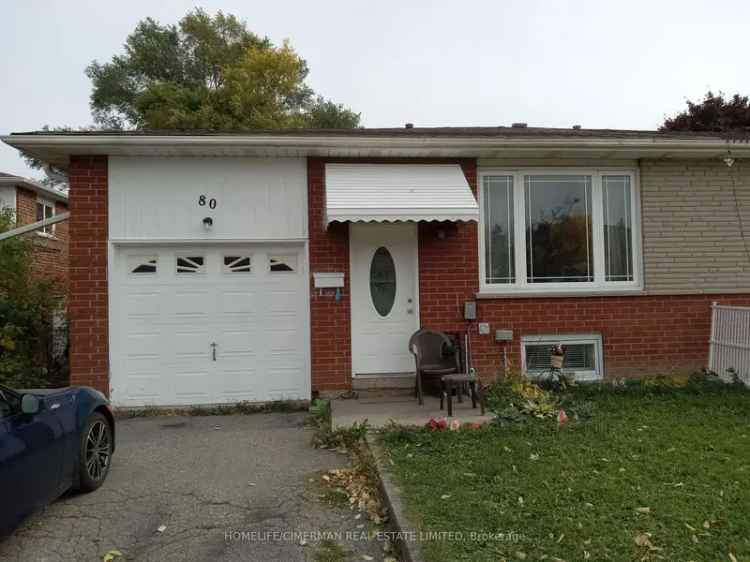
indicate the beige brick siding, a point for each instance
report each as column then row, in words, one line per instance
column 692, row 234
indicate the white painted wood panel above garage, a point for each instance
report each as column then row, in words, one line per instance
column 162, row 199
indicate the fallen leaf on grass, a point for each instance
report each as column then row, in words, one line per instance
column 644, row 510
column 161, row 528
column 445, row 496
column 644, row 540
column 367, row 557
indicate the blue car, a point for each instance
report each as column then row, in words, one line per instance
column 51, row 441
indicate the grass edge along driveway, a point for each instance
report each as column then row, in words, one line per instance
column 651, row 475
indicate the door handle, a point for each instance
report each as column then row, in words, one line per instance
column 213, row 350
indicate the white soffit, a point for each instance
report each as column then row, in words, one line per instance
column 398, row 192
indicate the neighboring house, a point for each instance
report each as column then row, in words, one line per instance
column 260, row 265
column 30, row 202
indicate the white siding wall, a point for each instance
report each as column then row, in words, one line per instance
column 8, row 197
column 256, row 199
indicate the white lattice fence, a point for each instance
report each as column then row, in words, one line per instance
column 729, row 350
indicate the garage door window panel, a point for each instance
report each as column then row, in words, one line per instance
column 191, row 264
column 139, row 265
column 283, row 263
column 237, row 264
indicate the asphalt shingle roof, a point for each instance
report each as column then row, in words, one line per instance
column 500, row 132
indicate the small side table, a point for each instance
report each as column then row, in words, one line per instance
column 457, row 382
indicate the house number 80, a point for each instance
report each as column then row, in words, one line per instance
column 211, row 202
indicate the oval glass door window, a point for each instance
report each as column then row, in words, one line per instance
column 383, row 281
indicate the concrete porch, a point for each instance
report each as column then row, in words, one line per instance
column 403, row 410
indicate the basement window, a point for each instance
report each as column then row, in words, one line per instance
column 583, row 355
column 45, row 210
column 192, row 264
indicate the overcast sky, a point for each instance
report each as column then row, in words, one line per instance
column 601, row 64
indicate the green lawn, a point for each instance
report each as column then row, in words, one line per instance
column 662, row 476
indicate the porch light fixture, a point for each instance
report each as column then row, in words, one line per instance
column 208, row 222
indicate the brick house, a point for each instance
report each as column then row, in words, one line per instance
column 30, row 202
column 210, row 267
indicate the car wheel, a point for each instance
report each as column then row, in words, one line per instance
column 96, row 452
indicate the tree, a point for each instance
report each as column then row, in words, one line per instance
column 28, row 357
column 714, row 114
column 208, row 72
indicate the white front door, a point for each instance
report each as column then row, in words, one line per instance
column 383, row 259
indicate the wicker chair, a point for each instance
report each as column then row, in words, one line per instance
column 435, row 355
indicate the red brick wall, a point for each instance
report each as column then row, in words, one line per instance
column 640, row 334
column 448, row 267
column 330, row 320
column 50, row 254
column 87, row 302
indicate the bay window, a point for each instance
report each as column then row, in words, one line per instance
column 558, row 231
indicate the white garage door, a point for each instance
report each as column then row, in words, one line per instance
column 208, row 325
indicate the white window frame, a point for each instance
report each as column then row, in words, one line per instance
column 48, row 230
column 568, row 339
column 599, row 284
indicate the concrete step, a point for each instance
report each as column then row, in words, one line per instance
column 399, row 381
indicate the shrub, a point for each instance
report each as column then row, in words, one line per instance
column 515, row 397
column 28, row 306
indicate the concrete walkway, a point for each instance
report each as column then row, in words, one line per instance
column 403, row 410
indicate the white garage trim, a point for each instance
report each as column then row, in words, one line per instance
column 162, row 324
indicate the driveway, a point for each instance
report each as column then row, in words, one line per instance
column 225, row 488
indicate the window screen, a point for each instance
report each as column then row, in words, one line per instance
column 578, row 357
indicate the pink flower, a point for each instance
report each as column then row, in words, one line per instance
column 442, row 424
column 455, row 425
column 562, row 418
column 432, row 425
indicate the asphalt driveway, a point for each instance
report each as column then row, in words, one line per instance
column 224, row 487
